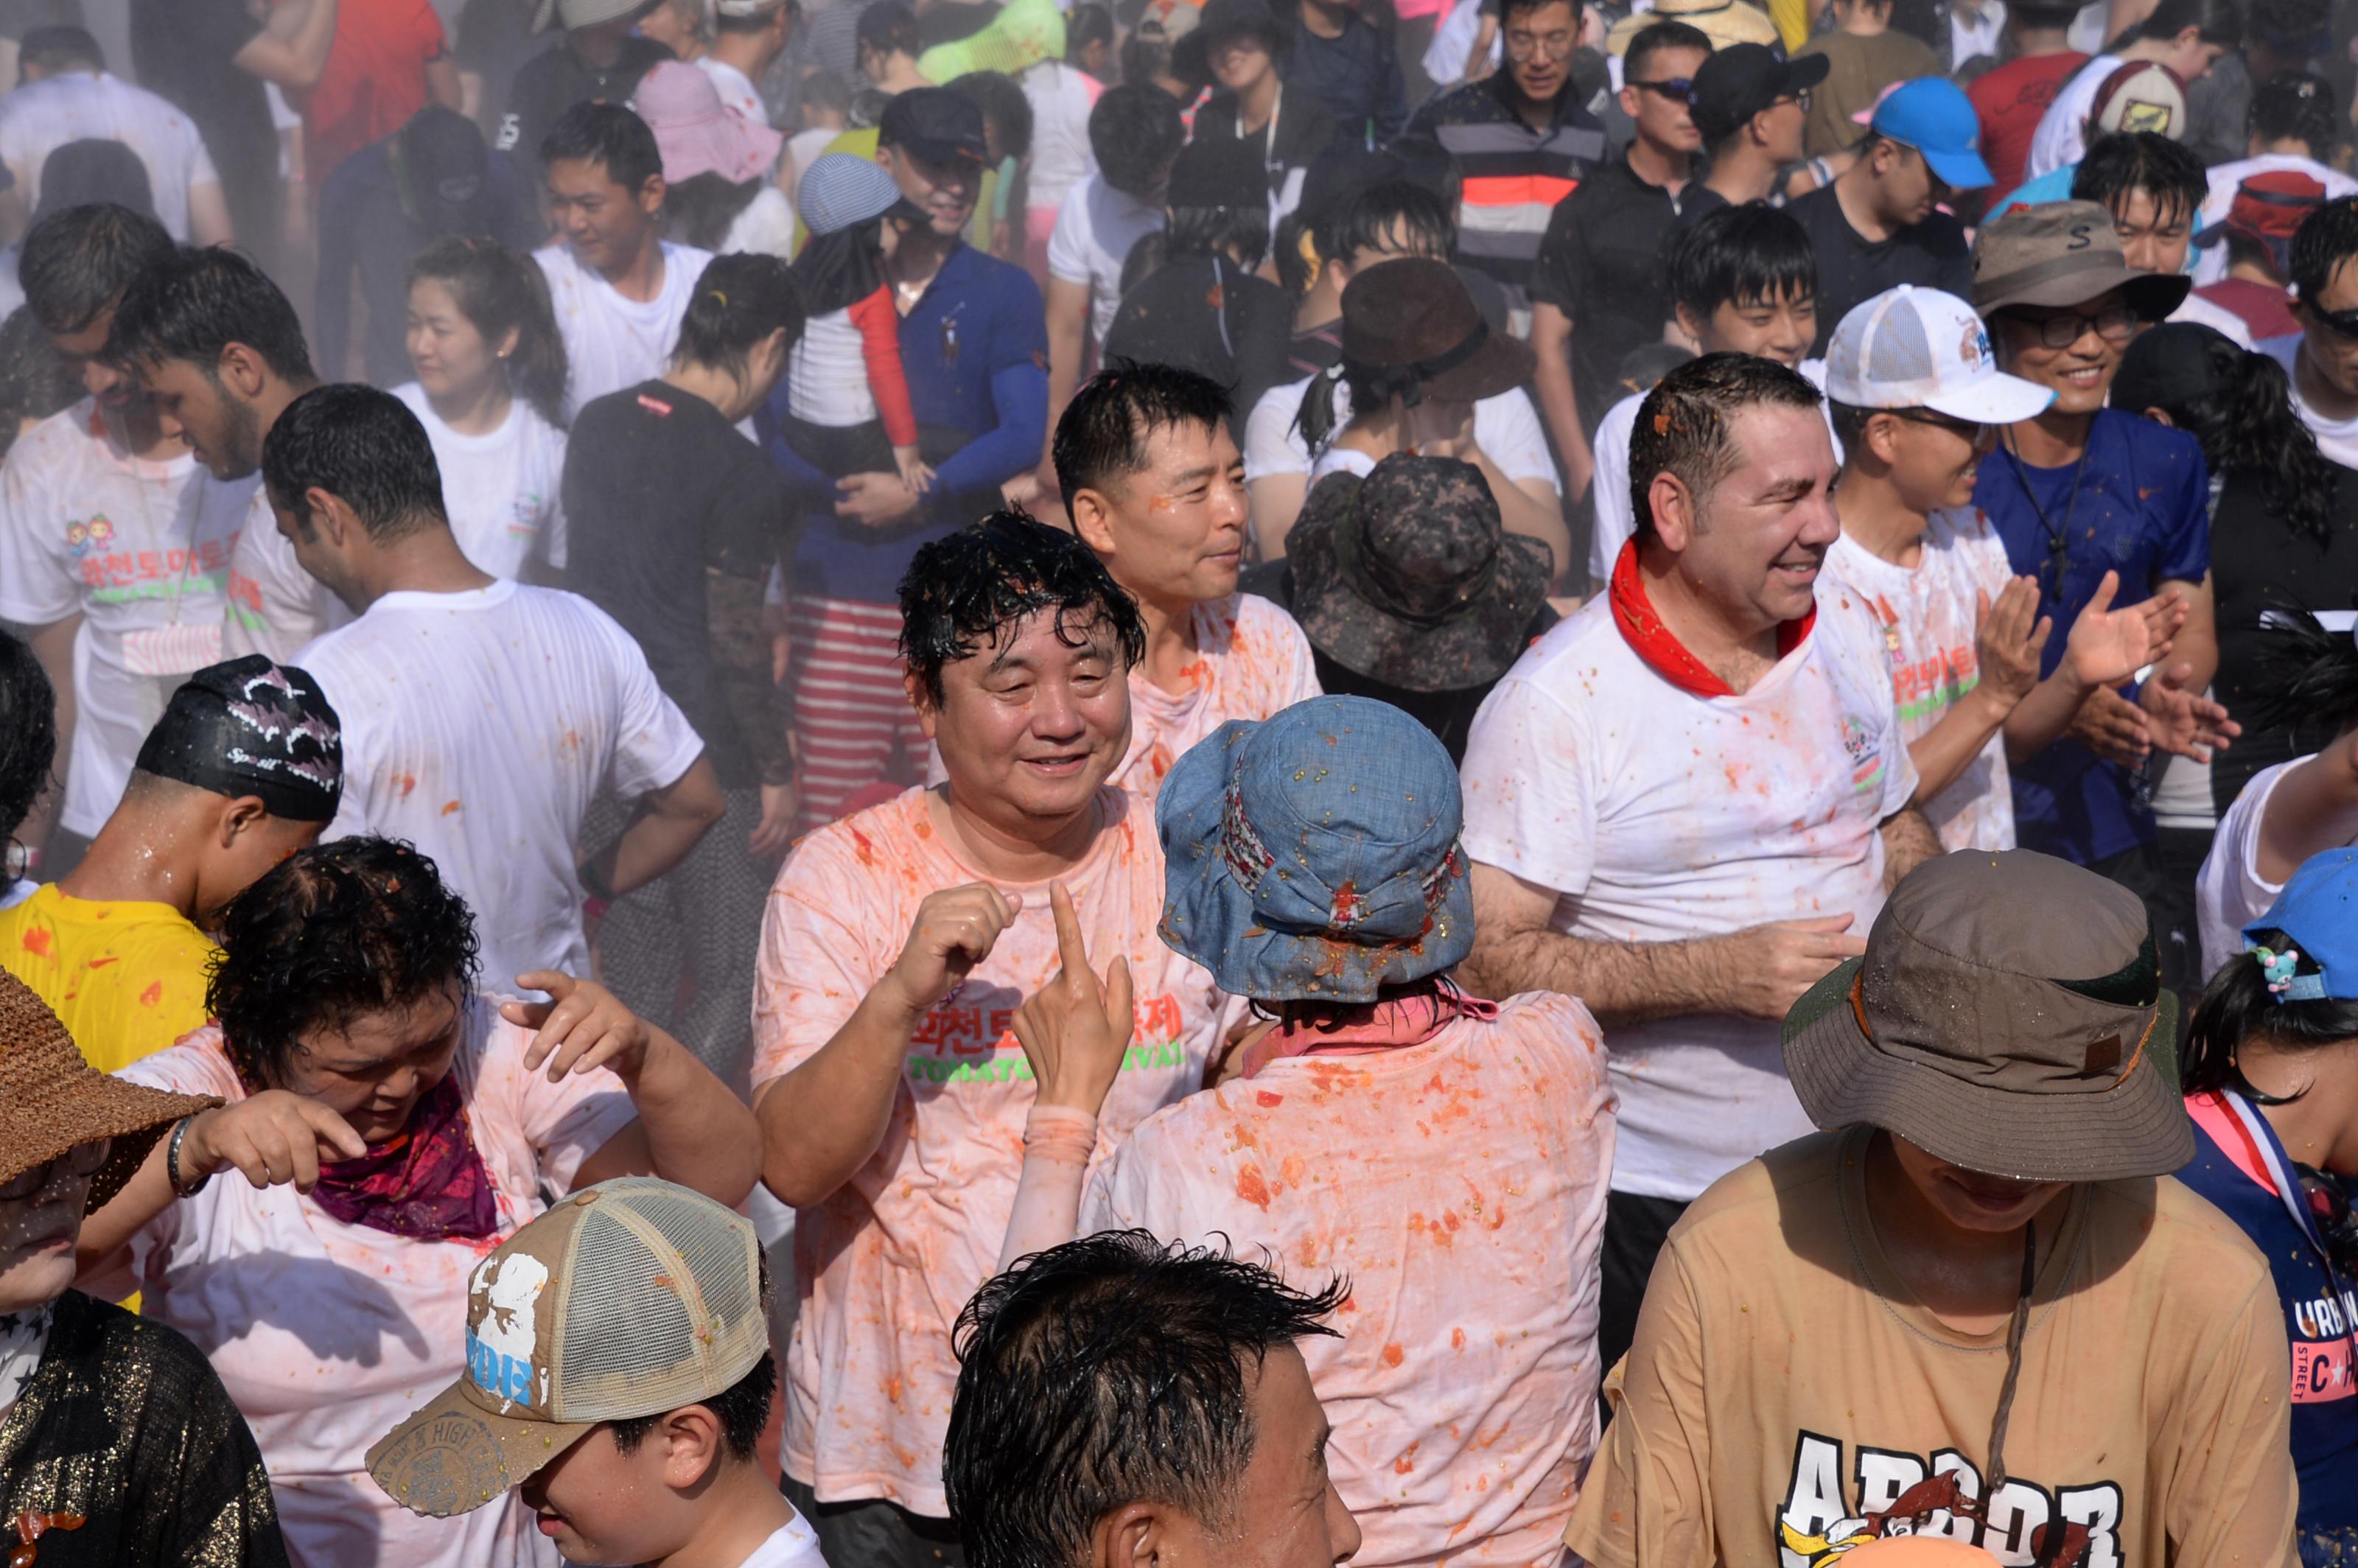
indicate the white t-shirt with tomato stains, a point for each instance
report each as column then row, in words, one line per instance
column 1252, row 662
column 886, row 1263
column 1460, row 1185
column 328, row 1336
column 1657, row 816
column 1925, row 619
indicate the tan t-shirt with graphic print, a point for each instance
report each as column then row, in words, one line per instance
column 1784, row 1386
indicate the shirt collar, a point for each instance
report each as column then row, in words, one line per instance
column 1651, row 640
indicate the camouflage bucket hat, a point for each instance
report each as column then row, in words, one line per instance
column 1406, row 576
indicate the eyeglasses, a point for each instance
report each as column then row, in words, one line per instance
column 1554, row 46
column 1965, row 429
column 2115, row 325
column 1677, row 89
column 1799, row 98
column 82, row 1160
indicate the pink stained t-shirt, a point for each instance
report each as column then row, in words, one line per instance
column 328, row 1334
column 1252, row 662
column 885, row 1264
column 1461, row 1185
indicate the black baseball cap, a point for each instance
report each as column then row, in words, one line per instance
column 1740, row 80
column 935, row 124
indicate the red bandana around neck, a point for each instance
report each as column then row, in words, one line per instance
column 1390, row 1025
column 429, row 1184
column 1663, row 653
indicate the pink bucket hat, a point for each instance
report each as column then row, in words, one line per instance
column 697, row 134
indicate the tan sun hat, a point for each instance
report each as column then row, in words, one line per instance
column 55, row 1101
column 2060, row 253
column 1723, row 22
column 628, row 1299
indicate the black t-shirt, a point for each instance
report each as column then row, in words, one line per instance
column 184, row 50
column 1226, row 324
column 659, row 491
column 2258, row 564
column 557, row 79
column 1601, row 264
column 1929, row 254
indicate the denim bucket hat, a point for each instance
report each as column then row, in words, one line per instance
column 1314, row 854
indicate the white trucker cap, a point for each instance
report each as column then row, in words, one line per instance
column 1919, row 348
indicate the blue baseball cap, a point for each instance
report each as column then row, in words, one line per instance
column 1934, row 115
column 2318, row 912
column 1314, row 854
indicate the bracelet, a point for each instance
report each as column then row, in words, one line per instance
column 172, row 1162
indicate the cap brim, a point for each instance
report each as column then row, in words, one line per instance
column 2139, row 1128
column 2153, row 294
column 1959, row 171
column 1997, row 399
column 934, row 151
column 1807, row 71
column 453, row 1457
column 1499, row 366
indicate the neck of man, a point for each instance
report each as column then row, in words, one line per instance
column 2285, row 146
column 2317, row 1121
column 2031, row 42
column 748, row 52
column 1538, row 113
column 1257, row 103
column 736, row 1512
column 641, row 278
column 715, row 386
column 1864, row 22
column 1877, row 519
column 2155, row 50
column 1742, row 171
column 901, row 75
column 1028, row 850
column 2254, row 272
column 1855, row 193
column 601, row 48
column 478, row 411
column 913, row 262
column 1325, row 21
column 2052, row 439
column 427, row 560
column 1738, row 651
column 142, row 855
column 1656, row 164
column 1171, row 642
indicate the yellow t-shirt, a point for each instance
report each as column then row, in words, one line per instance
column 1785, row 1387
column 126, row 977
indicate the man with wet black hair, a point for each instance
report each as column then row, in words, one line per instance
column 892, row 1092
column 1119, row 1400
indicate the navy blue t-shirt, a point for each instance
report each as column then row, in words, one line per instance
column 2320, row 1311
column 2143, row 511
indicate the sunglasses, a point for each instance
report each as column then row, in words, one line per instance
column 2341, row 323
column 1677, row 89
column 76, row 1164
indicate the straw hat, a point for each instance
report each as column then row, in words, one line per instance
column 55, row 1101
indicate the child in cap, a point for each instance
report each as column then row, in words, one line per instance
column 1917, row 400
column 847, row 397
column 2271, row 1080
column 619, row 1373
column 1448, row 1154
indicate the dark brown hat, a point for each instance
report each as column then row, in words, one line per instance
column 1411, row 321
column 1407, row 577
column 51, row 1101
column 2009, row 1017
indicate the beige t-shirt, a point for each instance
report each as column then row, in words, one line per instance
column 1784, row 1386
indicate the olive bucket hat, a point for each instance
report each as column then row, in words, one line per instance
column 2009, row 1017
column 1314, row 854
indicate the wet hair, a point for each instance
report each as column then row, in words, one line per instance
column 1653, row 41
column 2125, row 161
column 2250, row 429
column 742, row 1409
column 34, row 381
column 2237, row 1008
column 331, row 935
column 1136, row 132
column 2218, row 22
column 2300, row 105
column 2309, row 674
column 607, row 135
column 1687, row 425
column 739, row 300
column 1005, row 108
column 28, row 732
column 193, row 304
column 52, row 50
column 498, row 292
column 1366, row 222
column 1089, row 24
column 1102, row 435
column 970, row 591
column 364, row 447
column 889, row 28
column 76, row 262
column 1241, row 232
column 2326, row 238
column 1740, row 255
column 1107, row 1371
column 704, row 207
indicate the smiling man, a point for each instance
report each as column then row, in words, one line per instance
column 1976, row 1305
column 892, row 1092
column 1153, row 483
column 1683, row 800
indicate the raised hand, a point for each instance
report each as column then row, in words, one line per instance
column 581, row 1027
column 1075, row 1029
column 2106, row 646
column 953, row 931
column 2009, row 638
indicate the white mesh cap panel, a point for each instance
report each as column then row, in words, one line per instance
column 662, row 1304
column 1897, row 349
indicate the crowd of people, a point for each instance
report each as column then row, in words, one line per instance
column 1041, row 784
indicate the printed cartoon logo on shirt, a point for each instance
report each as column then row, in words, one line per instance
column 2023, row 1525
column 2321, row 1368
column 83, row 537
column 977, row 1023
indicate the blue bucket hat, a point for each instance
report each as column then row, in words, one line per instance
column 2318, row 912
column 1314, row 854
